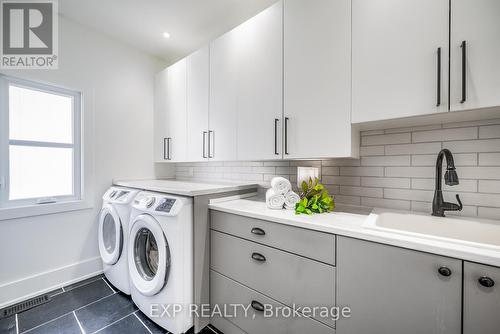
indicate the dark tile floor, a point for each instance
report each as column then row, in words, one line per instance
column 90, row 306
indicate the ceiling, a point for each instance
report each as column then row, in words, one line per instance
column 141, row 23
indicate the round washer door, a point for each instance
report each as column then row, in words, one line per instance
column 149, row 255
column 110, row 235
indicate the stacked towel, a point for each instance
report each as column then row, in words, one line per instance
column 281, row 195
column 291, row 199
column 274, row 200
column 281, row 185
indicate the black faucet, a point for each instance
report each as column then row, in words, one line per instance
column 439, row 206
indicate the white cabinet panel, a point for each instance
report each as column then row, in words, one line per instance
column 223, row 97
column 160, row 116
column 259, row 46
column 477, row 23
column 317, row 78
column 176, row 112
column 395, row 58
column 197, row 104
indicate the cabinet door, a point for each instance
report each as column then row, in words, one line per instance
column 477, row 24
column 395, row 290
column 259, row 43
column 160, row 116
column 395, row 58
column 317, row 78
column 223, row 97
column 176, row 106
column 197, row 104
column 481, row 300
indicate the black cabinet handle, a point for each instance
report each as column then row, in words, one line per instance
column 204, row 144
column 211, row 140
column 257, row 306
column 286, row 135
column 258, row 231
column 444, row 271
column 166, row 148
column 258, row 257
column 276, row 121
column 464, row 71
column 486, row 282
column 165, row 144
column 438, row 77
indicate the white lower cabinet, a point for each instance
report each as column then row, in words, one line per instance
column 475, row 54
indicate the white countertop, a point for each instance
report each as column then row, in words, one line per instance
column 348, row 221
column 184, row 188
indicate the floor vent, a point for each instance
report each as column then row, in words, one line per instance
column 24, row 306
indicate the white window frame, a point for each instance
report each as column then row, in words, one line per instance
column 5, row 142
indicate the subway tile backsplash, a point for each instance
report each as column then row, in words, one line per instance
column 395, row 169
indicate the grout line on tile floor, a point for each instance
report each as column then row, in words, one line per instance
column 105, row 281
column 17, row 325
column 65, row 314
column 111, row 324
column 210, row 327
column 79, row 324
column 135, row 313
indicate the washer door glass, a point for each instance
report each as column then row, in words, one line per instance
column 149, row 255
column 110, row 235
column 146, row 254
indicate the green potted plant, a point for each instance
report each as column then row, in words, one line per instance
column 314, row 198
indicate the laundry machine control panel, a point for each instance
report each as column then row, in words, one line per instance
column 165, row 205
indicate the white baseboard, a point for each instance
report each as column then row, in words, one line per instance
column 32, row 286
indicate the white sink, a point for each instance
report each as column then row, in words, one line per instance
column 477, row 233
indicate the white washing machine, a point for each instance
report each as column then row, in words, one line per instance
column 113, row 235
column 160, row 259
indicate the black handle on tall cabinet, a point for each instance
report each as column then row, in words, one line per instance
column 211, row 140
column 165, row 144
column 438, row 77
column 204, row 144
column 464, row 71
column 276, row 121
column 286, row 135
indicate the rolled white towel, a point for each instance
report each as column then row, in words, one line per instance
column 291, row 199
column 274, row 200
column 281, row 185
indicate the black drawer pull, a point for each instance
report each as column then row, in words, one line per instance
column 258, row 257
column 486, row 282
column 257, row 306
column 258, row 231
column 444, row 271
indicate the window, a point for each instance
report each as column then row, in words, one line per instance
column 40, row 153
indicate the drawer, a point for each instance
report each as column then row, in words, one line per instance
column 312, row 244
column 288, row 278
column 225, row 326
column 225, row 291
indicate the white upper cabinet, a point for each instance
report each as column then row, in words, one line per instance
column 197, row 104
column 317, row 79
column 175, row 145
column 395, row 65
column 160, row 116
column 259, row 85
column 475, row 44
column 222, row 118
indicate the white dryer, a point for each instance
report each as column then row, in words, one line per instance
column 160, row 255
column 113, row 235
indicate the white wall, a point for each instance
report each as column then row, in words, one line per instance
column 43, row 252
